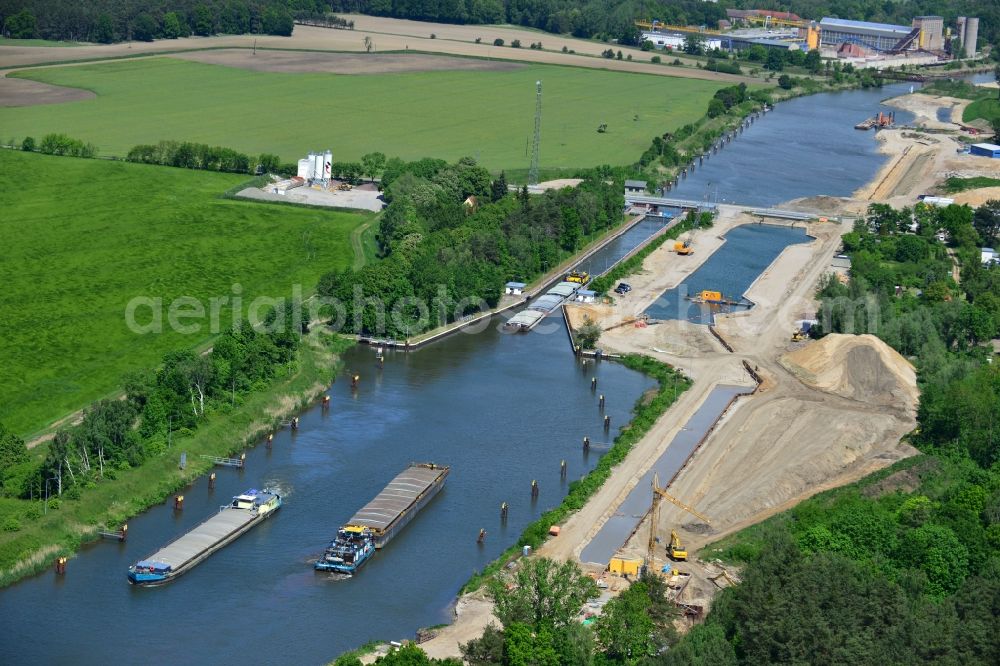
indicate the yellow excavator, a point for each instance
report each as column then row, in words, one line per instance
column 675, row 549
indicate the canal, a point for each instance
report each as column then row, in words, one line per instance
column 731, row 269
column 803, row 147
column 501, row 409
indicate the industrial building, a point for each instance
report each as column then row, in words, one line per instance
column 316, row 166
column 874, row 36
column 968, row 35
column 675, row 40
column 985, row 150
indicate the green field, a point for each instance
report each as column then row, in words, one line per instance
column 488, row 115
column 83, row 237
column 987, row 108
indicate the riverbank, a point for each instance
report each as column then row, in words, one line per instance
column 70, row 523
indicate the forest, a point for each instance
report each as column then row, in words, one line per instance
column 107, row 21
column 451, row 237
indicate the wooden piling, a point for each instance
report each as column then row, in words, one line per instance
column 178, row 502
column 607, row 422
column 211, row 481
column 534, row 489
column 503, row 512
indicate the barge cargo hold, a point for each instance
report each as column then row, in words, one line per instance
column 184, row 553
column 405, row 495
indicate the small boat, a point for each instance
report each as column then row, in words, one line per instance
column 185, row 552
column 349, row 551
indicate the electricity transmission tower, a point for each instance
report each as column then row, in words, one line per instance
column 533, row 171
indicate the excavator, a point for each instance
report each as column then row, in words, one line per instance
column 683, row 247
column 675, row 549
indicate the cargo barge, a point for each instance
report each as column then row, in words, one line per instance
column 187, row 551
column 396, row 506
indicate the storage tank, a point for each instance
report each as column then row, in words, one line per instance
column 318, row 166
column 327, row 164
column 971, row 36
column 305, row 166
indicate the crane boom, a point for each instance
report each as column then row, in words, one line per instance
column 654, row 515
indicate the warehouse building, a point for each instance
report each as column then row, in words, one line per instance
column 874, row 36
column 985, row 150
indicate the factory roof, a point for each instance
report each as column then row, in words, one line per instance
column 635, row 183
column 901, row 30
column 987, row 146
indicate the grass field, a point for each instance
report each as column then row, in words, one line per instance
column 83, row 237
column 485, row 114
column 986, row 107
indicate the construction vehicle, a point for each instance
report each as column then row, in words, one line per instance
column 345, row 186
column 580, row 277
column 798, row 335
column 683, row 247
column 675, row 549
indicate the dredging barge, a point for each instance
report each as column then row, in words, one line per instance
column 184, row 553
column 377, row 522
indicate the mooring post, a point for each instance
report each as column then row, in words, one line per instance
column 534, row 489
column 60, row 565
column 562, row 469
column 354, row 381
column 586, row 444
column 211, row 481
column 123, row 532
column 503, row 512
column 295, row 423
column 270, row 439
column 600, row 402
column 482, row 536
column 593, row 384
column 326, row 401
column 607, row 422
column 178, row 502
column 243, row 460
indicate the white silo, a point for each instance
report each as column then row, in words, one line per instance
column 327, row 164
column 318, row 166
column 971, row 36
column 305, row 166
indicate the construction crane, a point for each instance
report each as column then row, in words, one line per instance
column 657, row 26
column 675, row 548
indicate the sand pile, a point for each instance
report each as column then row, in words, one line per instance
column 859, row 367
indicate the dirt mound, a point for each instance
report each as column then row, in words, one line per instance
column 859, row 367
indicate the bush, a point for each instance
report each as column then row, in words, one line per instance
column 785, row 82
column 565, row 50
column 28, row 145
column 656, row 60
column 433, row 36
column 479, row 40
column 11, row 524
column 515, row 44
column 497, row 42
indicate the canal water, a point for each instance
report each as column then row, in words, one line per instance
column 731, row 269
column 601, row 261
column 803, row 147
column 501, row 409
column 620, row 526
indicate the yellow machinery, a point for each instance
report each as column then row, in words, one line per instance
column 624, row 567
column 798, row 335
column 579, row 277
column 683, row 247
column 675, row 550
column 345, row 186
column 770, row 21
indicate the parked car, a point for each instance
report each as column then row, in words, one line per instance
column 623, row 288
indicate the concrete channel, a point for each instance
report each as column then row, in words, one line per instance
column 629, row 514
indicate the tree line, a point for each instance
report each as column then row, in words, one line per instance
column 107, row 21
column 117, row 434
column 451, row 237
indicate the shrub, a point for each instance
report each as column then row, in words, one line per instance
column 515, row 44
column 28, row 145
column 11, row 524
column 479, row 40
column 656, row 60
column 565, row 49
column 433, row 36
column 497, row 42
